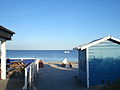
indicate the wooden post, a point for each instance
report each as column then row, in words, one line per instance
column 26, row 83
column 37, row 65
column 33, row 72
column 30, row 76
column 3, row 59
column 87, row 64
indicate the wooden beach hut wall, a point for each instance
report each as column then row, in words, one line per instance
column 5, row 35
column 99, row 61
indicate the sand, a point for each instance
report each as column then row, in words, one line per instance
column 54, row 77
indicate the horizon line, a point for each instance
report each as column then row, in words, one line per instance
column 39, row 49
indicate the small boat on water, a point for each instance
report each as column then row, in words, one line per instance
column 67, row 51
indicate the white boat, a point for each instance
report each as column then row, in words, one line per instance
column 67, row 51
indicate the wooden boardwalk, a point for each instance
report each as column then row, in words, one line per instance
column 51, row 77
column 15, row 82
column 54, row 77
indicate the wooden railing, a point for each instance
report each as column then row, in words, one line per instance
column 30, row 71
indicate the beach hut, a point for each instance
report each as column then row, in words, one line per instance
column 99, row 61
column 5, row 34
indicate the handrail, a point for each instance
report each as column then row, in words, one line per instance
column 30, row 73
column 22, row 58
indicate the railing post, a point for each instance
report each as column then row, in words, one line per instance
column 35, row 70
column 25, row 86
column 37, row 65
column 32, row 72
column 30, row 76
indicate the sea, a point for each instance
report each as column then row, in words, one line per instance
column 45, row 55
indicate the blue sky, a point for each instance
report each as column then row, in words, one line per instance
column 59, row 24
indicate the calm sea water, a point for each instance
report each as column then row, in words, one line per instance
column 45, row 55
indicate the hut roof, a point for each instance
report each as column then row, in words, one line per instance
column 94, row 42
column 7, row 30
column 5, row 33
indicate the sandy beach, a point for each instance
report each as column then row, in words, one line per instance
column 54, row 77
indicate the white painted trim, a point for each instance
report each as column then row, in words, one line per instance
column 26, row 80
column 37, row 65
column 30, row 77
column 22, row 58
column 115, row 39
column 93, row 43
column 96, row 42
column 87, row 62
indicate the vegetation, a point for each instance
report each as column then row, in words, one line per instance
column 111, row 86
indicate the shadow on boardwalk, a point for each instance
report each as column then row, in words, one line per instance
column 15, row 82
column 54, row 77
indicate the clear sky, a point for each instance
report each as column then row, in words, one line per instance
column 59, row 24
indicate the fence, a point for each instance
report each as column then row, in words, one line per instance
column 30, row 71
